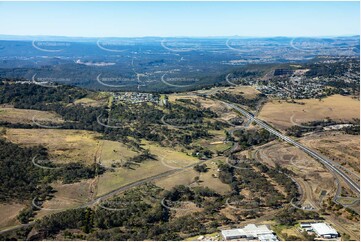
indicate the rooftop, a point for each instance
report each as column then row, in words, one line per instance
column 323, row 229
column 262, row 232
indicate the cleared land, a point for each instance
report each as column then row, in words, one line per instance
column 187, row 178
column 90, row 102
column 317, row 184
column 167, row 159
column 310, row 174
column 283, row 114
column 113, row 153
column 341, row 148
column 8, row 214
column 67, row 196
column 26, row 116
column 63, row 145
column 246, row 91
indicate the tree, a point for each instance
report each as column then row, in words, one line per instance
column 201, row 168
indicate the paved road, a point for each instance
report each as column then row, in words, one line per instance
column 328, row 163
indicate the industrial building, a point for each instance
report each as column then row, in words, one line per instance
column 320, row 229
column 323, row 230
column 250, row 232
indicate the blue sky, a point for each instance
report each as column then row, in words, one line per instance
column 136, row 19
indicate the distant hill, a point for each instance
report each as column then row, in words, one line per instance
column 155, row 63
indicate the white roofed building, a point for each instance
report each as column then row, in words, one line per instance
column 250, row 232
column 323, row 230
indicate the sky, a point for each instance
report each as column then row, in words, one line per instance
column 171, row 19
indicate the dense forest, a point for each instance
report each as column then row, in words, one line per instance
column 249, row 138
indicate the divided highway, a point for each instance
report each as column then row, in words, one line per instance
column 353, row 185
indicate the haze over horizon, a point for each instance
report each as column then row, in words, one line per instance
column 180, row 19
column 195, row 37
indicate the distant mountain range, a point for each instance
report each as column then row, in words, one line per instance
column 149, row 38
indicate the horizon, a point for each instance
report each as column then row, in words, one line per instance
column 175, row 37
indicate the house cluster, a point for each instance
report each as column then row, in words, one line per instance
column 295, row 87
column 136, row 97
column 321, row 230
column 250, row 232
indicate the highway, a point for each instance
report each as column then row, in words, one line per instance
column 325, row 161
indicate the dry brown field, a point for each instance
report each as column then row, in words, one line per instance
column 167, row 159
column 283, row 115
column 246, row 91
column 8, row 214
column 63, row 145
column 26, row 116
column 67, row 196
column 342, row 148
column 187, row 176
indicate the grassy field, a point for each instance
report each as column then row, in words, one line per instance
column 246, row 91
column 215, row 143
column 8, row 213
column 167, row 159
column 26, row 116
column 63, row 145
column 89, row 102
column 114, row 152
column 123, row 176
column 67, row 196
column 337, row 107
column 283, row 231
column 94, row 99
column 186, row 178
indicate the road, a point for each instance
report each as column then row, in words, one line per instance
column 329, row 164
column 325, row 161
column 105, row 196
column 108, row 195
